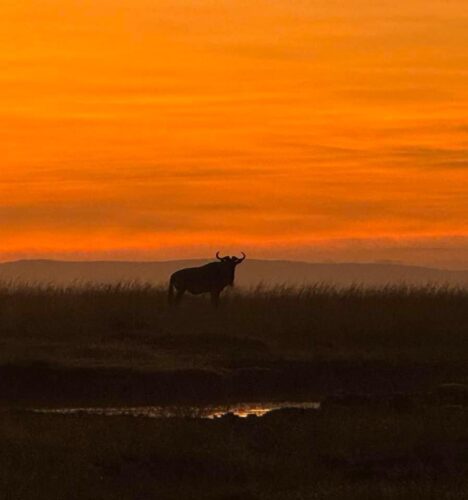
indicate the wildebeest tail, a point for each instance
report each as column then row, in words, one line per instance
column 170, row 293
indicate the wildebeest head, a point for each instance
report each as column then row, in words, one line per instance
column 229, row 265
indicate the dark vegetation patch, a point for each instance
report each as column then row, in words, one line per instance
column 340, row 383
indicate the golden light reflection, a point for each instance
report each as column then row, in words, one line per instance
column 241, row 410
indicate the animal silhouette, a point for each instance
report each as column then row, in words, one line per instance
column 211, row 278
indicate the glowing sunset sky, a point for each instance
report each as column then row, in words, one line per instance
column 305, row 129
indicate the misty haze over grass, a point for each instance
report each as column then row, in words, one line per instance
column 251, row 273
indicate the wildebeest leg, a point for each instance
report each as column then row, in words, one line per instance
column 178, row 297
column 215, row 298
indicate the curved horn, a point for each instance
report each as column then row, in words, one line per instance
column 217, row 256
column 243, row 257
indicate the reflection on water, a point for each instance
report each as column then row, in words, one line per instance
column 239, row 410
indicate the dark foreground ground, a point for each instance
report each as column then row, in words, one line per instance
column 390, row 366
column 336, row 453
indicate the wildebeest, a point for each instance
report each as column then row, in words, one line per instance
column 211, row 278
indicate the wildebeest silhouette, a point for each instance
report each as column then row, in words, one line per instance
column 211, row 278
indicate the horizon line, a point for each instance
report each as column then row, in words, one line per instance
column 387, row 262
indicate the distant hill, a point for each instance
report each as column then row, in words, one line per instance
column 251, row 273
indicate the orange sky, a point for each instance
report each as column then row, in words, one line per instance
column 307, row 129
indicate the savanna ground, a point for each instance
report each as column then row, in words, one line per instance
column 390, row 366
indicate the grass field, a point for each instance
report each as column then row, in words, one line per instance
column 319, row 339
column 374, row 357
column 393, row 323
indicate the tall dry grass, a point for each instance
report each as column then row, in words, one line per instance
column 394, row 322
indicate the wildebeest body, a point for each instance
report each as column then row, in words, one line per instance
column 211, row 278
